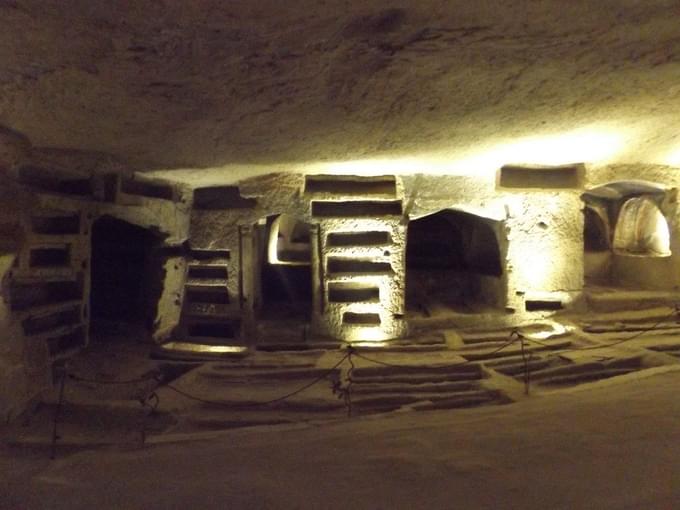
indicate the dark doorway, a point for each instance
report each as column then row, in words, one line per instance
column 452, row 260
column 126, row 283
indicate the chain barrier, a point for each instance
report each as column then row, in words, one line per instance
column 343, row 389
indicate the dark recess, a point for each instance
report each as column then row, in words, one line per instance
column 537, row 305
column 50, row 257
column 47, row 180
column 351, row 185
column 371, row 238
column 340, row 265
column 541, row 177
column 221, row 197
column 361, row 319
column 127, row 273
column 25, row 296
column 147, row 189
column 56, row 225
column 359, row 208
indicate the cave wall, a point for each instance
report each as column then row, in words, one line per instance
column 51, row 199
column 358, row 240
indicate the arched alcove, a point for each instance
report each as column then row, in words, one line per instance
column 641, row 229
column 452, row 259
column 627, row 238
column 595, row 230
column 285, row 270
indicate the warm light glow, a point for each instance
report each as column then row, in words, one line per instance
column 374, row 343
column 365, row 335
column 673, row 158
column 642, row 229
column 588, row 145
column 203, row 348
column 556, row 329
column 281, row 241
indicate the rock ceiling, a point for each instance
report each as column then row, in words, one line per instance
column 196, row 84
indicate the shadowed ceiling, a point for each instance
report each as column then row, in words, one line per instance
column 191, row 84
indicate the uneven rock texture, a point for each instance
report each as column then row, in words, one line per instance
column 167, row 84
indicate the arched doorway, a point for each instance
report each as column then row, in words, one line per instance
column 453, row 261
column 285, row 269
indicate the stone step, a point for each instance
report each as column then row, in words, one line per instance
column 195, row 350
column 622, row 299
column 634, row 362
column 519, row 367
column 578, row 378
column 373, row 388
column 515, row 349
column 397, row 400
column 462, row 401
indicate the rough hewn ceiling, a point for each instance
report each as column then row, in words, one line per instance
column 168, row 84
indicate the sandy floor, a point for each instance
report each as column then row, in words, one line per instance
column 612, row 444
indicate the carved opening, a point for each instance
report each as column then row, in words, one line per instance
column 353, row 293
column 221, row 197
column 361, row 319
column 56, row 225
column 369, row 238
column 626, row 236
column 356, row 208
column 147, row 189
column 642, row 229
column 453, row 259
column 285, row 268
column 55, row 256
column 351, row 185
column 24, row 295
column 127, row 277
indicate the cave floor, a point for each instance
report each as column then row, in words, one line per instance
column 609, row 444
column 116, row 394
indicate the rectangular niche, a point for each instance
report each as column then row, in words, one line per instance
column 541, row 177
column 37, row 325
column 353, row 293
column 207, row 272
column 361, row 319
column 147, row 189
column 351, row 185
column 370, row 238
column 24, row 296
column 201, row 254
column 542, row 305
column 56, row 225
column 221, row 197
column 50, row 180
column 356, row 208
column 50, row 257
column 357, row 266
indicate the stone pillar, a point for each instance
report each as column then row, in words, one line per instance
column 248, row 281
column 318, row 294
